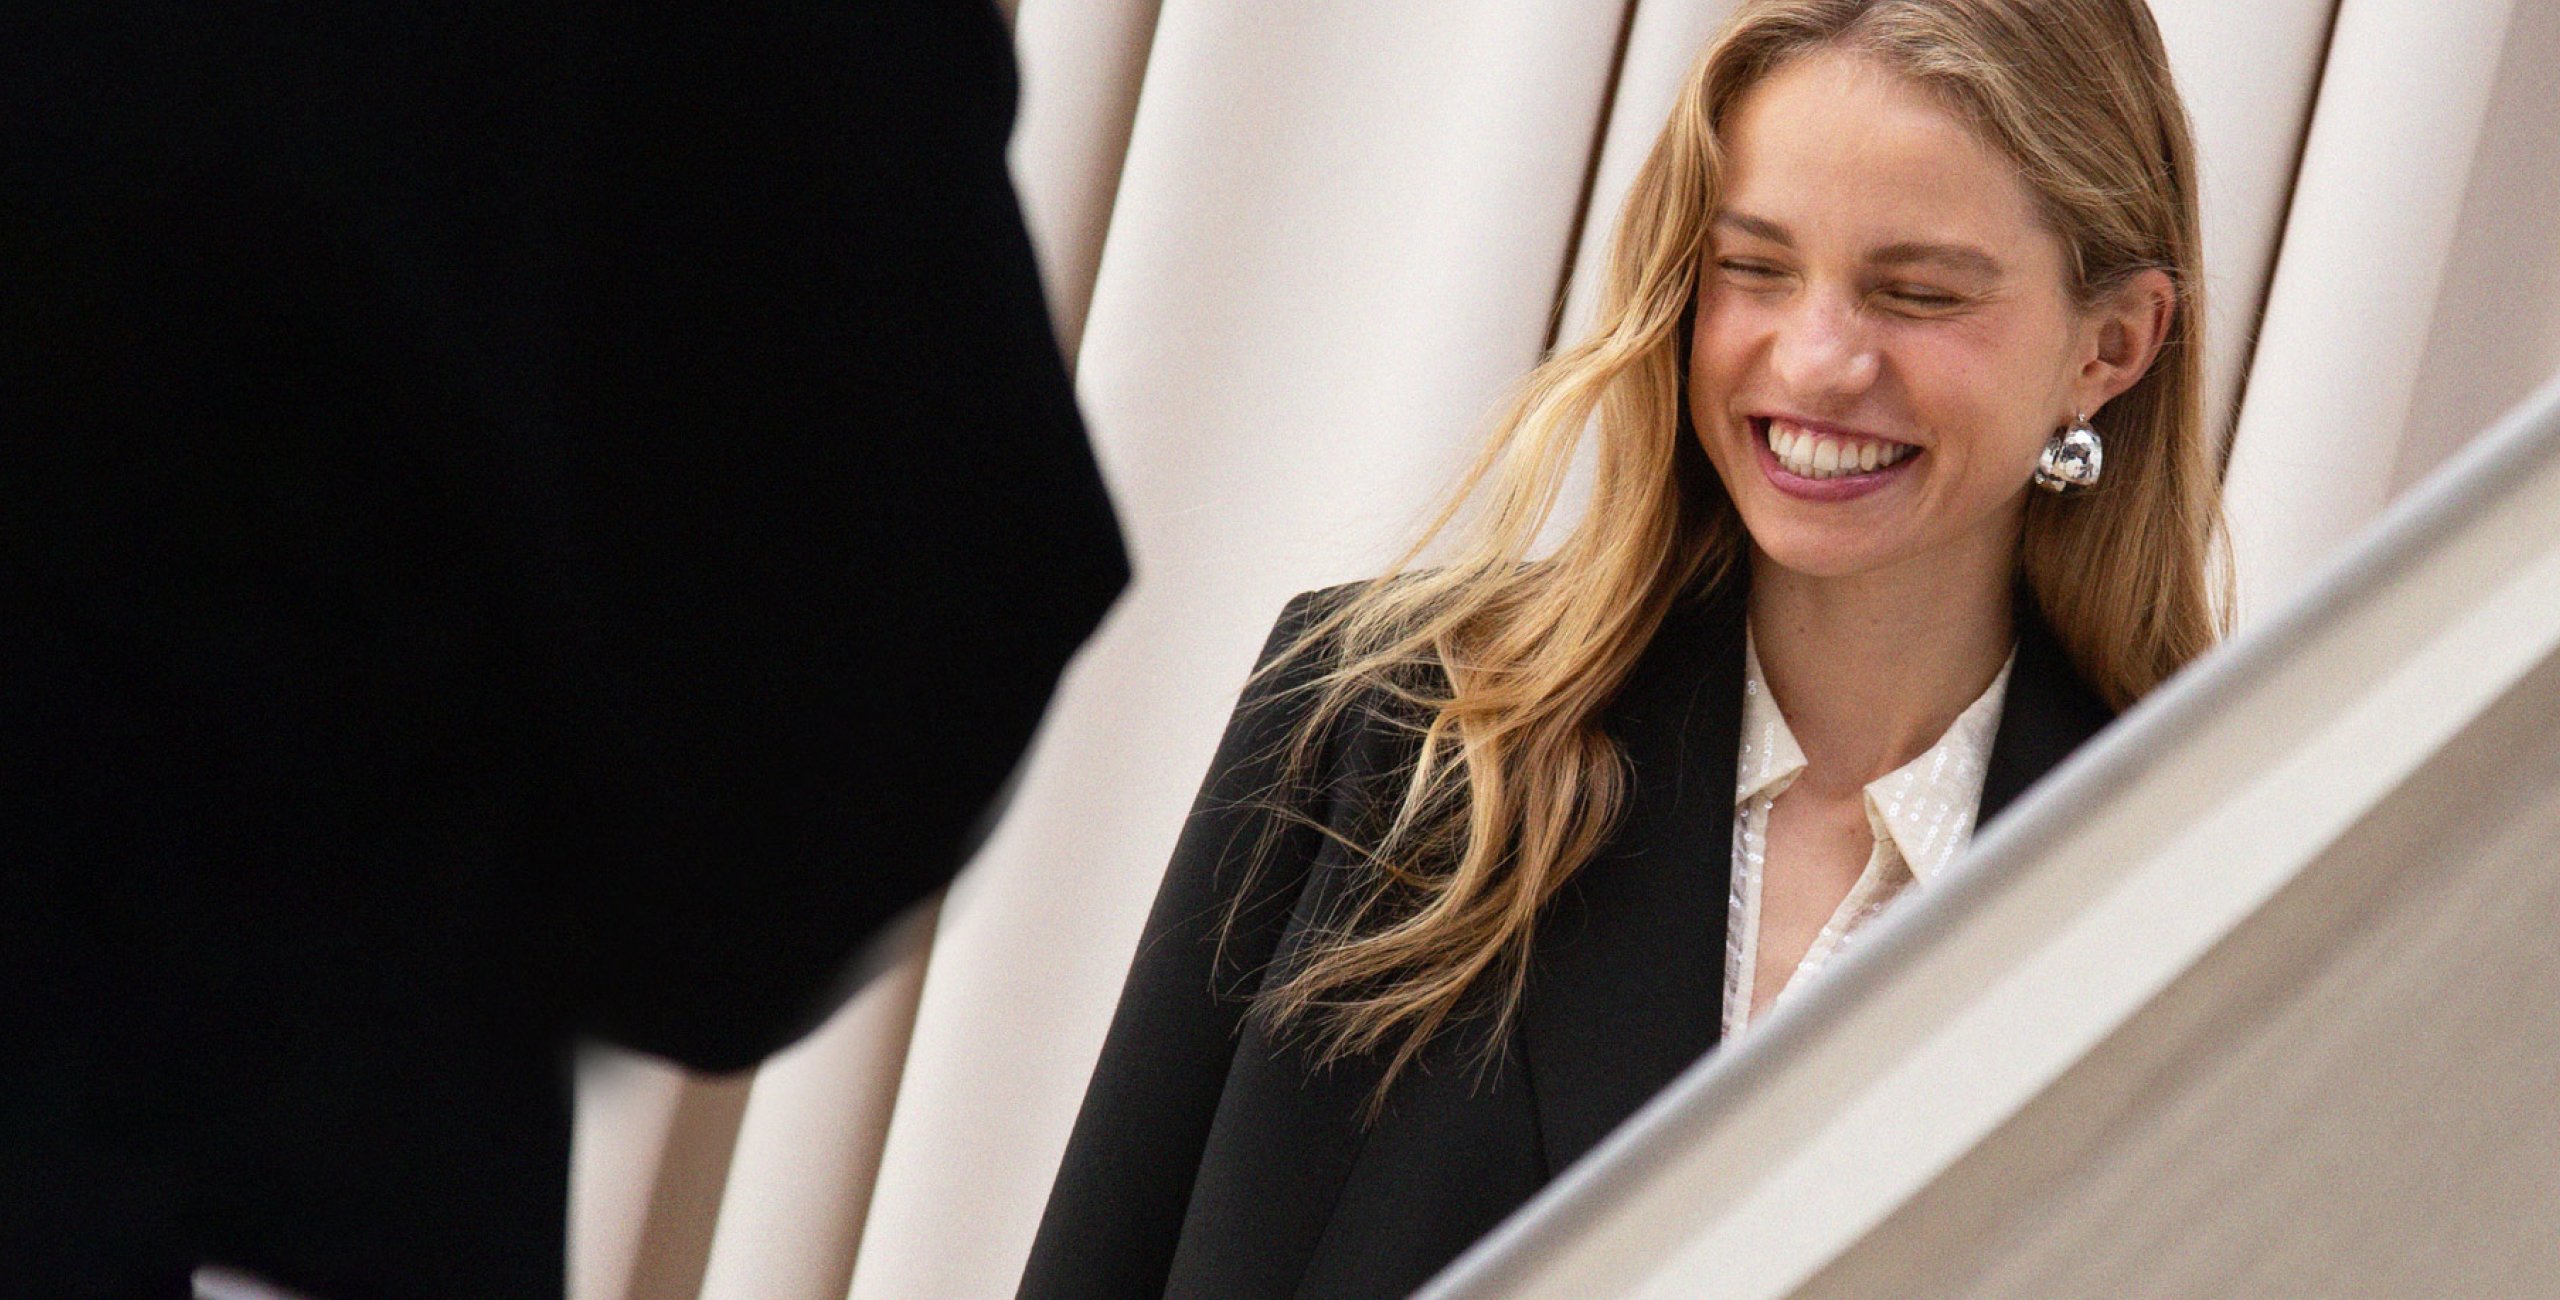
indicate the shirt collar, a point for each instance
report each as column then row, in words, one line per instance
column 1926, row 806
column 1770, row 757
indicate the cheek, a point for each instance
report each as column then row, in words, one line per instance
column 1719, row 349
column 1982, row 396
column 1719, row 374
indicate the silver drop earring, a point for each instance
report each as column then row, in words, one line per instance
column 2071, row 459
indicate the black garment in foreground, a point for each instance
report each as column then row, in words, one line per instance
column 1212, row 1161
column 518, row 520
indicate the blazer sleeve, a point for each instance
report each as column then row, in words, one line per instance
column 1116, row 1210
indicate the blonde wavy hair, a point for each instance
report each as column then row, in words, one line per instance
column 1499, row 665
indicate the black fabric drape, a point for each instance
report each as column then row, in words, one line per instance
column 519, row 520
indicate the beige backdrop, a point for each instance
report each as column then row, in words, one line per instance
column 1296, row 251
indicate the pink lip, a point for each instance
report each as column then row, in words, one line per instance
column 1848, row 488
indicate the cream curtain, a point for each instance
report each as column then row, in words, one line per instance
column 2376, row 203
column 1297, row 251
column 1338, row 233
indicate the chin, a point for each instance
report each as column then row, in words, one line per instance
column 1814, row 555
column 1825, row 566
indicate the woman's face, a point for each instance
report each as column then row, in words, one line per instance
column 1884, row 339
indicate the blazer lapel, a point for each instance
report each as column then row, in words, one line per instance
column 2049, row 712
column 1627, row 982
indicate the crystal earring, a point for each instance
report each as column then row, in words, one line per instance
column 2071, row 458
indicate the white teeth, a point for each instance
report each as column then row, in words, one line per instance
column 1810, row 455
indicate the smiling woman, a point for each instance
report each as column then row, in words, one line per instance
column 1890, row 321
column 1494, row 849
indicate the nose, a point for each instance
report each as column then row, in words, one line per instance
column 1822, row 350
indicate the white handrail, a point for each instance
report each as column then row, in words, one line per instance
column 1768, row 1164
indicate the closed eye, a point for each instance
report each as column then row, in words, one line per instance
column 1924, row 299
column 1742, row 269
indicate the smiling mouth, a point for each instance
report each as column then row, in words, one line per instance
column 1826, row 455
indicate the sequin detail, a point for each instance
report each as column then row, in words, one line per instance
column 1921, row 815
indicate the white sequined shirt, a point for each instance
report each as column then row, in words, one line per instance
column 1920, row 813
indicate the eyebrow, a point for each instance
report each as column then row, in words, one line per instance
column 1963, row 258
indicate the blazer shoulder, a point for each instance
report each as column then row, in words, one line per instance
column 1309, row 609
column 1298, row 615
column 1287, row 690
column 1273, row 703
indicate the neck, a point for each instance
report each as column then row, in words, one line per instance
column 1871, row 669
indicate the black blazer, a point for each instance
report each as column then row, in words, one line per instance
column 521, row 520
column 1212, row 1161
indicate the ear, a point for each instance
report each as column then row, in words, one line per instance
column 2127, row 329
